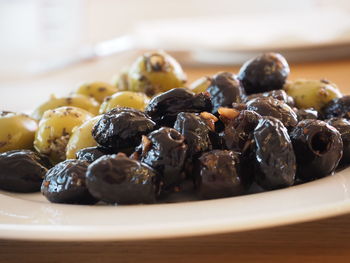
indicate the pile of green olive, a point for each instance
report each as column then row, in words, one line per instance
column 59, row 127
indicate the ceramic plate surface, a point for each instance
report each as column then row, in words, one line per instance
column 31, row 217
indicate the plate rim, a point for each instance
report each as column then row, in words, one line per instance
column 98, row 232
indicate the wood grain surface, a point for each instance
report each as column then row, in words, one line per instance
column 326, row 241
column 319, row 241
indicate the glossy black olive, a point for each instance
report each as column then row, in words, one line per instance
column 275, row 162
column 91, row 154
column 276, row 94
column 165, row 107
column 22, row 170
column 165, row 151
column 121, row 129
column 275, row 108
column 224, row 90
column 238, row 129
column 304, row 114
column 217, row 175
column 318, row 148
column 200, row 135
column 343, row 127
column 65, row 183
column 117, row 179
column 195, row 131
column 337, row 108
column 266, row 72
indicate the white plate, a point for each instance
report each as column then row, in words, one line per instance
column 31, row 217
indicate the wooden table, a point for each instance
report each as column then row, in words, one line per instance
column 321, row 241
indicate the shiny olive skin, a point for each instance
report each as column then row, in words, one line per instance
column 81, row 138
column 199, row 134
column 164, row 108
column 218, row 175
column 309, row 113
column 200, row 85
column 165, row 151
column 343, row 127
column 337, row 108
column 22, row 171
column 312, row 93
column 121, row 129
column 266, row 72
column 136, row 100
column 65, row 183
column 195, row 131
column 117, row 179
column 274, row 162
column 74, row 100
column 17, row 131
column 97, row 90
column 55, row 129
column 239, row 129
column 155, row 72
column 276, row 94
column 91, row 154
column 318, row 149
column 224, row 90
column 272, row 107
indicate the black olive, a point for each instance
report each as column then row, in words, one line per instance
column 238, row 129
column 304, row 114
column 165, row 151
column 318, row 148
column 165, row 107
column 199, row 133
column 266, row 72
column 224, row 90
column 121, row 129
column 276, row 94
column 343, row 127
column 217, row 175
column 337, row 108
column 91, row 154
column 117, row 179
column 65, row 183
column 275, row 108
column 22, row 170
column 195, row 131
column 275, row 162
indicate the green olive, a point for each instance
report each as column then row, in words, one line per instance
column 75, row 100
column 121, row 80
column 312, row 93
column 156, row 72
column 97, row 90
column 55, row 129
column 17, row 131
column 81, row 138
column 200, row 85
column 136, row 100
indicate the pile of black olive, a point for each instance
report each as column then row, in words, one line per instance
column 243, row 134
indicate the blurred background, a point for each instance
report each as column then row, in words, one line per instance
column 39, row 36
column 52, row 46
